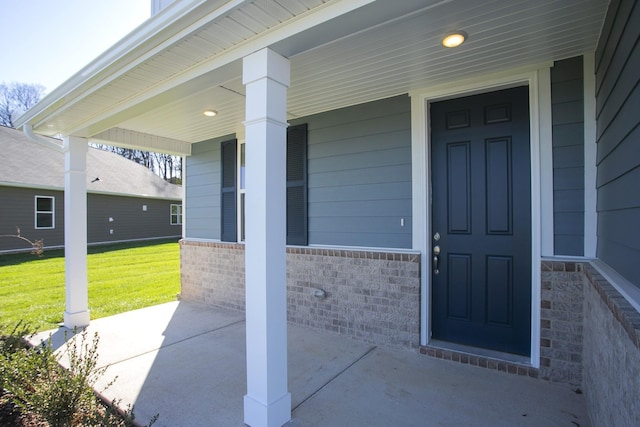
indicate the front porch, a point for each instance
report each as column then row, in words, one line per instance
column 186, row 362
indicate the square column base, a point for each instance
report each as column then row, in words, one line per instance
column 76, row 320
column 275, row 414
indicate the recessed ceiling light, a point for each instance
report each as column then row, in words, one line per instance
column 454, row 39
column 210, row 113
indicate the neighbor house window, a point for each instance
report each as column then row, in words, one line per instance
column 176, row 214
column 233, row 188
column 44, row 212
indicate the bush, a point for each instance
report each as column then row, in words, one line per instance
column 62, row 397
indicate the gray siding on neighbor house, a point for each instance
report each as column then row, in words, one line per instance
column 17, row 209
column 130, row 221
column 567, row 105
column 618, row 136
column 359, row 175
column 202, row 190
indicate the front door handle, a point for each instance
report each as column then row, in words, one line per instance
column 436, row 259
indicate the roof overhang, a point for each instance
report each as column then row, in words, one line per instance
column 149, row 90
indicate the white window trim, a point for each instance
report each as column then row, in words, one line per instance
column 538, row 80
column 179, row 214
column 590, row 154
column 52, row 212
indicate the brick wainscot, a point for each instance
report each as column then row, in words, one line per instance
column 589, row 334
column 370, row 295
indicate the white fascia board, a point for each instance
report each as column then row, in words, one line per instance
column 296, row 25
column 114, row 64
column 144, row 35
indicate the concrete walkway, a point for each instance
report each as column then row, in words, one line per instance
column 186, row 362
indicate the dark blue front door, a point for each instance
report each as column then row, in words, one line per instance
column 481, row 220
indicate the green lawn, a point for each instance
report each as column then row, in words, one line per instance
column 122, row 277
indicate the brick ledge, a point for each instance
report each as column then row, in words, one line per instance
column 620, row 308
column 305, row 250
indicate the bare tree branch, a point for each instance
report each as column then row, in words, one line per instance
column 16, row 98
column 166, row 166
column 37, row 245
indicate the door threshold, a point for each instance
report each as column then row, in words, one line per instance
column 504, row 362
column 483, row 352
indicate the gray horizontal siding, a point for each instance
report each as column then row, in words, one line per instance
column 359, row 175
column 621, row 193
column 567, row 105
column 359, row 178
column 616, row 56
column 621, row 160
column 618, row 122
column 130, row 221
column 202, row 192
column 380, row 175
column 17, row 207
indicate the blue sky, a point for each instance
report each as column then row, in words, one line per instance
column 47, row 41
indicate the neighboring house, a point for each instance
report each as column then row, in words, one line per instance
column 477, row 203
column 125, row 201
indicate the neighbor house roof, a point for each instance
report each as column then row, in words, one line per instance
column 29, row 164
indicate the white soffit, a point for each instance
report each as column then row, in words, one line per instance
column 334, row 64
column 407, row 54
column 145, row 141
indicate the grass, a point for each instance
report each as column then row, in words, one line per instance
column 122, row 277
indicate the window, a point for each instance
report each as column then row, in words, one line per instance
column 44, row 212
column 176, row 214
column 233, row 188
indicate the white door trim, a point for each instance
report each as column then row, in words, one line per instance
column 590, row 156
column 539, row 83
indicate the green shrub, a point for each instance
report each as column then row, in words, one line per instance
column 9, row 344
column 63, row 397
column 111, row 416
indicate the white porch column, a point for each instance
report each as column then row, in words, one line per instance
column 75, row 232
column 267, row 402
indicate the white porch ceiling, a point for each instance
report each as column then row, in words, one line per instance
column 161, row 85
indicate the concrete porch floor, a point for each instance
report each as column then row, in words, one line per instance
column 186, row 362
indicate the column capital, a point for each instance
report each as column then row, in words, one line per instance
column 266, row 63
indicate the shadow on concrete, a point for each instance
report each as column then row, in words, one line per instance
column 186, row 362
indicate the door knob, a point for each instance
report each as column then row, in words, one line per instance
column 436, row 259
